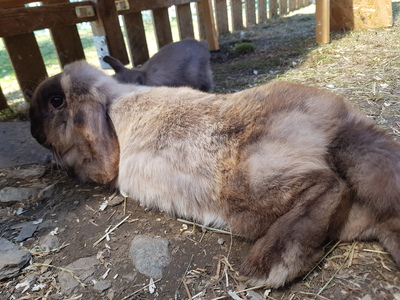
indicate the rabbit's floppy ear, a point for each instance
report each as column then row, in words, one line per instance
column 95, row 137
column 114, row 63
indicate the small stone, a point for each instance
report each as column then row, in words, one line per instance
column 150, row 255
column 116, row 200
column 47, row 192
column 102, row 285
column 27, row 231
column 82, row 268
column 13, row 194
column 49, row 242
column 27, row 174
column 110, row 294
column 130, row 277
column 221, row 241
column 12, row 259
column 253, row 295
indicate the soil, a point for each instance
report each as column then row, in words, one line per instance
column 204, row 263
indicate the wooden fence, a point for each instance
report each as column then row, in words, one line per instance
column 18, row 22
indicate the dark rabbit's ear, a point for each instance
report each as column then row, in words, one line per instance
column 28, row 95
column 114, row 63
column 97, row 143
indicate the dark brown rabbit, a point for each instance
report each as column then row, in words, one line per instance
column 284, row 165
column 184, row 63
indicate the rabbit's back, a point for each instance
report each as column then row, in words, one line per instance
column 181, row 148
column 185, row 63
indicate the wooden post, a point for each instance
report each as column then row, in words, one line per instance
column 273, row 8
column 68, row 44
column 322, row 21
column 262, row 11
column 27, row 60
column 3, row 100
column 136, row 37
column 200, row 21
column 185, row 22
column 237, row 16
column 162, row 27
column 282, row 7
column 250, row 13
column 209, row 24
column 66, row 40
column 221, row 12
column 108, row 25
column 292, row 5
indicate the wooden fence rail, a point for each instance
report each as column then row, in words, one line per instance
column 18, row 22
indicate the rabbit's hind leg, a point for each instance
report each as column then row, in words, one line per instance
column 388, row 233
column 293, row 243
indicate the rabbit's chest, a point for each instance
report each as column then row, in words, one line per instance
column 176, row 181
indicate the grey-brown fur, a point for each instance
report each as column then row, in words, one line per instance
column 284, row 165
column 184, row 63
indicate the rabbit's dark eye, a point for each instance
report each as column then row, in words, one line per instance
column 56, row 101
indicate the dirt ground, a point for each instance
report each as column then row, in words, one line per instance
column 362, row 65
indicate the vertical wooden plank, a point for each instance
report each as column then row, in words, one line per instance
column 273, row 8
column 108, row 26
column 68, row 44
column 262, row 11
column 185, row 22
column 3, row 100
column 200, row 21
column 209, row 25
column 66, row 40
column 322, row 11
column 292, row 5
column 162, row 27
column 282, row 7
column 237, row 15
column 136, row 38
column 221, row 12
column 26, row 59
column 250, row 13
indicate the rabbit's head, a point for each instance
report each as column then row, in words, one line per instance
column 69, row 115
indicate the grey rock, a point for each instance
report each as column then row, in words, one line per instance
column 27, row 231
column 49, row 242
column 102, row 285
column 13, row 194
column 27, row 174
column 116, row 200
column 47, row 192
column 253, row 295
column 150, row 255
column 12, row 259
column 82, row 268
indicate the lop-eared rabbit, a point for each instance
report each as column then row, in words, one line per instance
column 284, row 165
column 184, row 63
